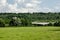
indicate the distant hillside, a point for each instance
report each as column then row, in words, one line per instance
column 34, row 16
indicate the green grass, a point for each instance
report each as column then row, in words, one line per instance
column 30, row 33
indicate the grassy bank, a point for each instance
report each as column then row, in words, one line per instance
column 30, row 33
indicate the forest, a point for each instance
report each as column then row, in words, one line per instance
column 13, row 19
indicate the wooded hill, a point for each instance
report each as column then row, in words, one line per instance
column 42, row 17
column 25, row 19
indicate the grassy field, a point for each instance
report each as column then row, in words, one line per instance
column 30, row 33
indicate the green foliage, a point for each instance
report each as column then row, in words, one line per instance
column 57, row 23
column 50, row 24
column 13, row 23
column 25, row 22
column 39, row 16
column 2, row 23
column 27, row 18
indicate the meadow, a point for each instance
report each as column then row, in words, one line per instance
column 30, row 33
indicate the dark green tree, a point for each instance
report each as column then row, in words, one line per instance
column 13, row 23
column 25, row 22
column 50, row 24
column 57, row 23
column 2, row 23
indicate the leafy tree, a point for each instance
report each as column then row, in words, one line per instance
column 2, row 24
column 57, row 23
column 50, row 24
column 25, row 22
column 13, row 23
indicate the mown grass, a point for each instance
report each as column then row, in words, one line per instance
column 30, row 33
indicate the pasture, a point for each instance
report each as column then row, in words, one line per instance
column 30, row 33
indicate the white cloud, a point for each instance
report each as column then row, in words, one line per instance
column 48, row 9
column 3, row 2
column 35, row 1
column 26, row 6
column 29, row 5
column 57, row 7
column 12, row 7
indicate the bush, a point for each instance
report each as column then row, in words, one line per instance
column 13, row 23
column 2, row 24
column 26, row 22
column 50, row 24
column 57, row 23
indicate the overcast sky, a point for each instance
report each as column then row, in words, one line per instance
column 29, row 5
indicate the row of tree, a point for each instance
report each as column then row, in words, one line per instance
column 26, row 19
column 33, row 16
column 24, row 22
column 15, row 22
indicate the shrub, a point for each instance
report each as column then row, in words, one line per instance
column 50, row 24
column 25, row 22
column 57, row 23
column 2, row 24
column 13, row 23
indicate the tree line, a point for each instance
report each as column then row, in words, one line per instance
column 26, row 19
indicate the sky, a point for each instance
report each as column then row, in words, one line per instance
column 29, row 6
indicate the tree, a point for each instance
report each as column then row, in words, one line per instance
column 25, row 22
column 57, row 23
column 50, row 24
column 2, row 24
column 13, row 23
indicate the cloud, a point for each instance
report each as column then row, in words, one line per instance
column 29, row 6
column 2, row 5
column 57, row 7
